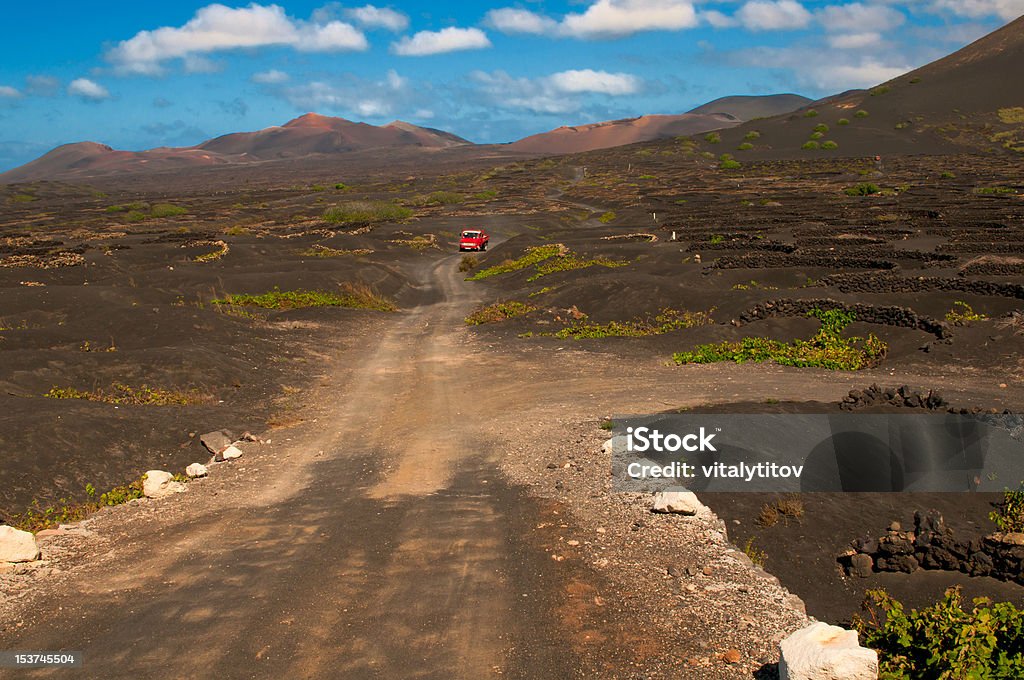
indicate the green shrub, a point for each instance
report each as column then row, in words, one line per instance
column 821, row 127
column 167, row 210
column 1009, row 514
column 341, row 186
column 607, row 217
column 817, row 135
column 843, row 121
column 752, row 135
column 943, row 641
column 468, row 263
column 810, row 113
column 712, row 138
column 862, row 189
column 571, row 262
column 881, row 89
column 499, row 311
column 861, row 114
column 829, row 145
column 366, row 212
column 811, row 145
column 993, row 191
column 745, row 146
column 665, row 322
column 122, row 394
column 827, row 349
column 486, row 195
column 947, row 175
column 356, row 296
column 534, row 255
column 963, row 314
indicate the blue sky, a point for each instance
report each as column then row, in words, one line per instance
column 137, row 75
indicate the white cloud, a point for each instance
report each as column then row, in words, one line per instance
column 271, row 77
column 216, row 27
column 611, row 18
column 854, row 41
column 602, row 19
column 841, row 71
column 8, row 92
column 865, row 73
column 42, row 85
column 773, row 15
column 88, row 89
column 378, row 17
column 1004, row 9
column 350, row 95
column 857, row 17
column 512, row 20
column 588, row 80
column 717, row 19
column 449, row 39
column 557, row 93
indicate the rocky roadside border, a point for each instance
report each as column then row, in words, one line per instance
column 714, row 614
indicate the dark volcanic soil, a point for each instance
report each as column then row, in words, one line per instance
column 94, row 296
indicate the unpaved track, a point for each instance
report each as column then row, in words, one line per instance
column 397, row 552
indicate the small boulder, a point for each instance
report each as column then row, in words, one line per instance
column 861, row 565
column 229, row 453
column 677, row 502
column 17, row 545
column 160, row 483
column 823, row 652
column 215, row 442
column 196, row 470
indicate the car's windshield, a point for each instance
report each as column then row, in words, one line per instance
column 470, row 234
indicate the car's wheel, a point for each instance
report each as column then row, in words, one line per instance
column 483, row 246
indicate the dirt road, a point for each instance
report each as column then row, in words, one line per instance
column 389, row 546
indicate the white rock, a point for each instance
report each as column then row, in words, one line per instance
column 229, row 453
column 17, row 545
column 824, row 652
column 615, row 443
column 196, row 470
column 679, row 502
column 160, row 483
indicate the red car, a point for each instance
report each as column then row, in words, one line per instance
column 474, row 239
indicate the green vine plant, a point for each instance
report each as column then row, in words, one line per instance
column 827, row 349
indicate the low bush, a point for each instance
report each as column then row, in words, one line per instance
column 827, row 349
column 355, row 296
column 752, row 135
column 666, row 321
column 810, row 113
column 944, row 641
column 712, row 138
column 843, row 121
column 468, row 263
column 126, row 395
column 963, row 314
column 499, row 311
column 534, row 255
column 861, row 114
column 862, row 189
column 367, row 212
column 745, row 146
column 606, row 217
column 811, row 145
column 37, row 518
column 829, row 145
column 1009, row 514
